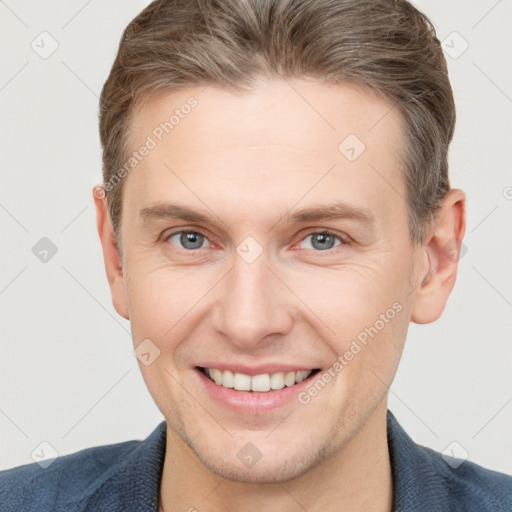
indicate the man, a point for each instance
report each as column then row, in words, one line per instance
column 275, row 211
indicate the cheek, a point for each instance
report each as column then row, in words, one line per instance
column 351, row 297
column 165, row 302
column 361, row 312
column 152, row 305
column 161, row 303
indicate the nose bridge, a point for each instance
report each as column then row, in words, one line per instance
column 248, row 308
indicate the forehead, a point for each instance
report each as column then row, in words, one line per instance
column 282, row 143
column 261, row 114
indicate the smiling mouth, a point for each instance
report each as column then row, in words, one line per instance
column 259, row 383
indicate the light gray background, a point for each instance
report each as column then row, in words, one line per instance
column 67, row 372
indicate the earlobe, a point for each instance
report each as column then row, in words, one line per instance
column 111, row 256
column 442, row 251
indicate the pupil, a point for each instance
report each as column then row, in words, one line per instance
column 191, row 240
column 325, row 241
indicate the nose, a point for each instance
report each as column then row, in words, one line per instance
column 252, row 304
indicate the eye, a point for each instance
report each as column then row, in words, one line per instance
column 191, row 240
column 188, row 240
column 322, row 240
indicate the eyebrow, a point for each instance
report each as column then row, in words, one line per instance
column 334, row 211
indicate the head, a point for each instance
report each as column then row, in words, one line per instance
column 303, row 147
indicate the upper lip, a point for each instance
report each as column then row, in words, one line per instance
column 257, row 370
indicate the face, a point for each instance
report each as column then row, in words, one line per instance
column 262, row 239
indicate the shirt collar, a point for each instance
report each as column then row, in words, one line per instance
column 139, row 475
column 415, row 481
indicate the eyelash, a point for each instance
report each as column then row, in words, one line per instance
column 344, row 241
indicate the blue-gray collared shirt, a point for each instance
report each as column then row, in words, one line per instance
column 125, row 477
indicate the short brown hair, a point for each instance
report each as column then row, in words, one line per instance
column 386, row 45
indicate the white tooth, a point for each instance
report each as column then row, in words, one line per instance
column 289, row 379
column 260, row 382
column 227, row 379
column 242, row 382
column 277, row 380
column 217, row 376
column 304, row 375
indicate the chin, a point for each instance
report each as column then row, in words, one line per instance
column 261, row 473
column 274, row 467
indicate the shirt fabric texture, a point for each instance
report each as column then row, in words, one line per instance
column 125, row 477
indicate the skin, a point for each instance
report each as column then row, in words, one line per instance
column 247, row 160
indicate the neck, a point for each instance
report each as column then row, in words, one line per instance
column 357, row 477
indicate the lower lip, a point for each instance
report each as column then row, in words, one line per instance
column 253, row 402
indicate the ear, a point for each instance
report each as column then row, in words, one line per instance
column 111, row 255
column 441, row 251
